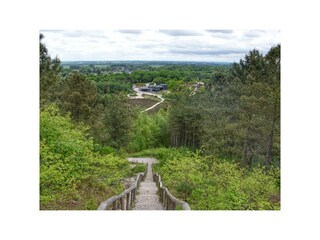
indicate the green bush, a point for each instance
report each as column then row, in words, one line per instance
column 138, row 167
column 208, row 183
column 162, row 154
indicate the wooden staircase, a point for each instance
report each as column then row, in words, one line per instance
column 144, row 193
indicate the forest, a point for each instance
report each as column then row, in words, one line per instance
column 216, row 135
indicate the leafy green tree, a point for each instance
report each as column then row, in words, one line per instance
column 142, row 135
column 161, row 129
column 150, row 131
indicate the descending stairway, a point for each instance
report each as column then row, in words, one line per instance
column 147, row 197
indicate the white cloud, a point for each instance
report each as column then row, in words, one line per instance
column 195, row 45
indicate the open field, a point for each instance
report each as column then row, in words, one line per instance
column 146, row 103
column 142, row 103
column 163, row 105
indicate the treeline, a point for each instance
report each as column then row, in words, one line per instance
column 237, row 116
column 111, row 83
column 119, row 78
column 184, row 73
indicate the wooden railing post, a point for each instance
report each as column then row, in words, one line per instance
column 127, row 200
column 122, row 203
column 131, row 195
column 168, row 203
column 161, row 195
column 134, row 194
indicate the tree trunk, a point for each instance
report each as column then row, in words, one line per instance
column 270, row 144
column 193, row 141
column 245, row 154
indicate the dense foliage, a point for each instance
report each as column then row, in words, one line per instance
column 70, row 170
column 150, row 131
column 111, row 83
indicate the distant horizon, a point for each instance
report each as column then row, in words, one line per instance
column 195, row 61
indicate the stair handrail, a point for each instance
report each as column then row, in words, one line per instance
column 124, row 200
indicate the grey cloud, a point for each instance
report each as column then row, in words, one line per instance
column 220, row 31
column 177, row 33
column 76, row 33
column 146, row 45
column 52, row 30
column 224, row 34
column 203, row 52
column 129, row 31
column 253, row 33
column 82, row 33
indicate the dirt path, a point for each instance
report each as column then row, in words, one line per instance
column 154, row 105
column 147, row 197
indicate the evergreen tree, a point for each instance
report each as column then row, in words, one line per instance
column 186, row 121
column 78, row 96
column 118, row 120
column 49, row 74
column 273, row 78
column 243, row 110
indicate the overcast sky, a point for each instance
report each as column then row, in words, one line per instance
column 176, row 45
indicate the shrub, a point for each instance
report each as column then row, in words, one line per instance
column 73, row 173
column 208, row 183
